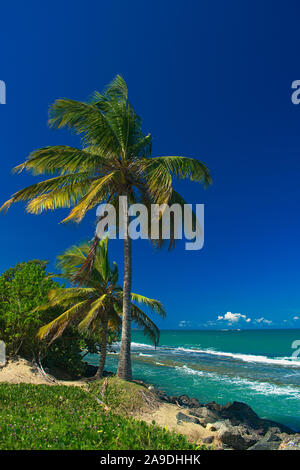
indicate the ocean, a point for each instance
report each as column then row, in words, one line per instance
column 253, row 366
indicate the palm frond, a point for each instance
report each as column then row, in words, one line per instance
column 182, row 168
column 63, row 159
column 142, row 148
column 86, row 119
column 153, row 304
column 43, row 187
column 117, row 88
column 150, row 329
column 60, row 198
column 57, row 326
column 99, row 191
column 59, row 296
column 93, row 312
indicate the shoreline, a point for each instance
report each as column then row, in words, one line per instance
column 234, row 426
column 247, row 366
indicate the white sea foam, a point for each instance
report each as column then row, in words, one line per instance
column 264, row 388
column 141, row 346
column 280, row 361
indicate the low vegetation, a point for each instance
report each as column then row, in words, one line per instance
column 62, row 417
column 125, row 398
column 24, row 288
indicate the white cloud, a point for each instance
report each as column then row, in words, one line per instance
column 233, row 317
column 296, row 318
column 263, row 320
column 208, row 323
column 184, row 324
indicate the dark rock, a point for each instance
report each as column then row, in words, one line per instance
column 236, row 437
column 207, row 416
column 213, row 406
column 184, row 400
column 212, row 428
column 108, row 373
column 270, row 441
column 160, row 394
column 238, row 426
column 270, row 436
column 208, row 439
column 172, row 399
column 290, row 443
column 181, row 417
column 265, row 445
column 164, row 398
column 267, row 424
column 239, row 412
column 90, row 371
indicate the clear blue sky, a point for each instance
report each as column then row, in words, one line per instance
column 212, row 80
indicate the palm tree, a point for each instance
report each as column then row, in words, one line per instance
column 97, row 305
column 115, row 160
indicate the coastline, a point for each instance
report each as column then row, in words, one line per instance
column 253, row 367
column 234, row 426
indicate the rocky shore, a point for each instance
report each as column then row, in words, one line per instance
column 236, row 424
column 231, row 426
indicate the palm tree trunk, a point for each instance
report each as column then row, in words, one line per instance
column 124, row 367
column 103, row 346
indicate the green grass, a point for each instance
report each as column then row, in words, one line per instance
column 61, row 417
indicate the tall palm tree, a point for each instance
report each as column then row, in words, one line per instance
column 115, row 160
column 97, row 305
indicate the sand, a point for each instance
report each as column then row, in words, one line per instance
column 165, row 416
column 21, row 371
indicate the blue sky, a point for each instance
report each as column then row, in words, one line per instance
column 211, row 80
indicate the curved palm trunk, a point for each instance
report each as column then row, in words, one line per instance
column 103, row 347
column 124, row 367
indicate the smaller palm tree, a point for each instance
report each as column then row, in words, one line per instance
column 95, row 303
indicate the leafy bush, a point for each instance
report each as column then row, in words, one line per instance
column 60, row 417
column 66, row 353
column 22, row 289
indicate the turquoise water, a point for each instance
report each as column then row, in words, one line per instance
column 254, row 366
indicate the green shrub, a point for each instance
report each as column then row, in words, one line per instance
column 22, row 289
column 60, row 417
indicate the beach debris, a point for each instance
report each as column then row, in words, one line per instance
column 150, row 399
column 103, row 387
column 2, row 354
